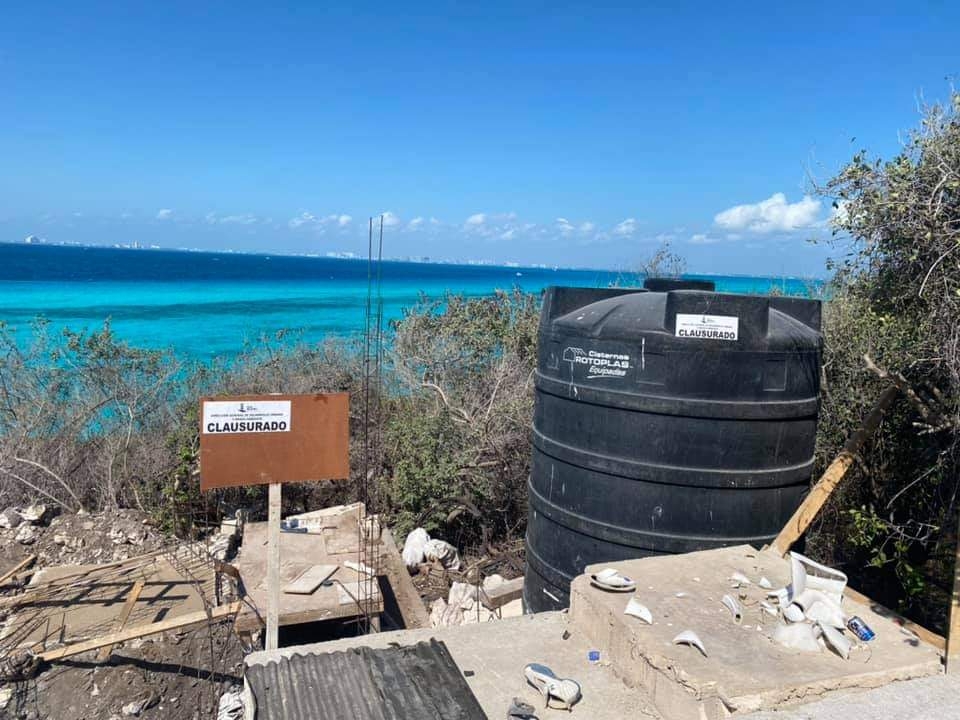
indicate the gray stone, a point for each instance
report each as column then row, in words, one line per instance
column 35, row 514
column 26, row 535
column 10, row 518
column 136, row 707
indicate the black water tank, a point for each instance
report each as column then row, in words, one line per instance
column 665, row 422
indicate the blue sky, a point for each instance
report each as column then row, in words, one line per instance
column 571, row 134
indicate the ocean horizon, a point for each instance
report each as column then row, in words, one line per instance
column 206, row 305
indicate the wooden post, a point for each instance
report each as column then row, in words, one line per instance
column 273, row 566
column 953, row 629
column 805, row 514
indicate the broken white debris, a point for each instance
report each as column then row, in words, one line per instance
column 793, row 613
column 765, row 584
column 836, row 640
column 734, row 607
column 738, row 579
column 768, row 608
column 689, row 637
column 639, row 610
column 799, row 636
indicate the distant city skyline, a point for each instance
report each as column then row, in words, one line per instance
column 560, row 136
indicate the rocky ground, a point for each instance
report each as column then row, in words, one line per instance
column 175, row 676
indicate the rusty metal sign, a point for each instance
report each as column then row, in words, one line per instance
column 263, row 439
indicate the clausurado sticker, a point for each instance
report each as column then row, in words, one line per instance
column 708, row 327
column 221, row 417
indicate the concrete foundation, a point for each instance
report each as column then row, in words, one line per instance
column 744, row 671
column 492, row 656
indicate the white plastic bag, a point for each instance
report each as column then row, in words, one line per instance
column 413, row 548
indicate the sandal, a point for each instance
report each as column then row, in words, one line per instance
column 564, row 691
column 612, row 580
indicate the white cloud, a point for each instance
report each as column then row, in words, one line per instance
column 703, row 239
column 564, row 226
column 415, row 224
column 309, row 220
column 390, row 219
column 164, row 214
column 587, row 227
column 508, row 234
column 626, row 228
column 476, row 219
column 304, row 218
column 246, row 219
column 434, row 221
column 774, row 214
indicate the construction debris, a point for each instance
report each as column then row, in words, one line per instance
column 495, row 599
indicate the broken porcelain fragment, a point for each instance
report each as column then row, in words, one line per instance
column 797, row 637
column 793, row 613
column 835, row 639
column 689, row 637
column 639, row 610
column 768, row 608
column 738, row 578
column 782, row 596
column 818, row 607
column 809, row 574
column 734, row 607
column 682, row 595
column 765, row 584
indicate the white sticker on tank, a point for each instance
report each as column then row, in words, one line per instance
column 708, row 327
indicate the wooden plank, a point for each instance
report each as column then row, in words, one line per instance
column 953, row 629
column 928, row 636
column 138, row 631
column 411, row 604
column 310, row 579
column 132, row 598
column 273, row 567
column 26, row 562
column 506, row 592
column 828, row 482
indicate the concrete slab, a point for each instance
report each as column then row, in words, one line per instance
column 930, row 698
column 492, row 656
column 745, row 670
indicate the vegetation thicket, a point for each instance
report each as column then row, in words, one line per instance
column 895, row 318
column 88, row 422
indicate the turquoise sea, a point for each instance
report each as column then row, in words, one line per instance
column 204, row 305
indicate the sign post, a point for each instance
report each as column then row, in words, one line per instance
column 273, row 567
column 269, row 440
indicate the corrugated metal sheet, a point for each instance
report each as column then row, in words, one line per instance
column 419, row 682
